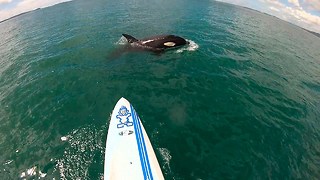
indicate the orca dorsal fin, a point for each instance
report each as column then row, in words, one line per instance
column 129, row 38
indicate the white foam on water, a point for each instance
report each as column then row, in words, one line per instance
column 82, row 145
column 8, row 162
column 64, row 138
column 32, row 172
column 122, row 41
column 192, row 46
column 23, row 174
column 42, row 174
column 165, row 154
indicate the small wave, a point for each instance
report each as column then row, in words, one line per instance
column 165, row 154
column 32, row 172
column 192, row 46
column 122, row 41
column 83, row 145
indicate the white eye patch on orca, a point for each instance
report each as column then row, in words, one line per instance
column 169, row 44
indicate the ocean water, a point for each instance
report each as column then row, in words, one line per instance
column 241, row 102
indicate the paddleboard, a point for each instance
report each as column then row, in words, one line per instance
column 129, row 153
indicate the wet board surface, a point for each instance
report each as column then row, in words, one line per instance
column 129, row 153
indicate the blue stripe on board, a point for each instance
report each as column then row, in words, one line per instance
column 138, row 142
column 146, row 152
column 142, row 147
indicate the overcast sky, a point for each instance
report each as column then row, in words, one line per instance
column 304, row 13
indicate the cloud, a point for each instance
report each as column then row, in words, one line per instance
column 274, row 9
column 294, row 2
column 295, row 14
column 313, row 5
column 5, row 1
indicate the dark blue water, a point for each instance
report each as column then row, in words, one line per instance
column 243, row 102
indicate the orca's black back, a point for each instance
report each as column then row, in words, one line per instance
column 161, row 42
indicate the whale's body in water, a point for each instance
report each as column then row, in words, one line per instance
column 156, row 43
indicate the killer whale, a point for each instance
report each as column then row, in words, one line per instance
column 156, row 43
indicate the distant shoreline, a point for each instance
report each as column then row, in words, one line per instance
column 316, row 34
column 19, row 15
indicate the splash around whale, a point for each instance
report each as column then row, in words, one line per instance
column 156, row 43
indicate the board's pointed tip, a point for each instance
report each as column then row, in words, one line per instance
column 122, row 99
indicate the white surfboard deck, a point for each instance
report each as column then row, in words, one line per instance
column 129, row 153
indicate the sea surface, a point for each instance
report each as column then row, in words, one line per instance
column 242, row 101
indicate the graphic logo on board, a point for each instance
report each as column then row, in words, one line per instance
column 123, row 116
